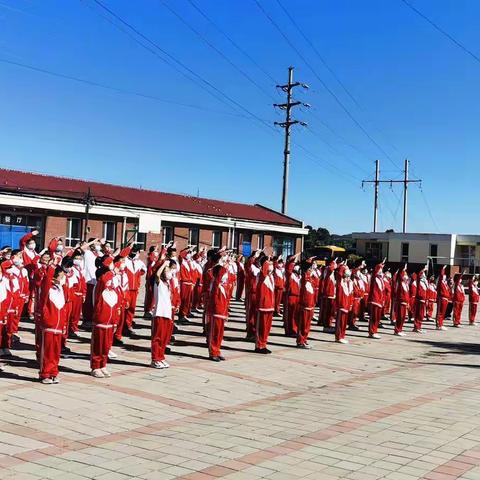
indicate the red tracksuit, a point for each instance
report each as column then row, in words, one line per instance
column 135, row 268
column 413, row 295
column 78, row 289
column 402, row 300
column 240, row 279
column 329, row 296
column 306, row 306
column 444, row 296
column 53, row 323
column 458, row 301
column 265, row 299
column 186, row 277
column 5, row 299
column 358, row 294
column 388, row 295
column 251, row 274
column 15, row 301
column 473, row 302
column 376, row 300
column 197, row 282
column 217, row 309
column 279, row 275
column 292, row 295
column 420, row 303
column 105, row 317
column 30, row 261
column 344, row 303
column 431, row 298
column 149, row 300
column 162, row 323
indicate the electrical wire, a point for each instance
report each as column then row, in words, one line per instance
column 327, row 88
column 442, row 31
column 217, row 50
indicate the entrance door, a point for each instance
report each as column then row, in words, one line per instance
column 11, row 234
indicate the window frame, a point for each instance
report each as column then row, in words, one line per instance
column 217, row 232
column 165, row 238
column 190, row 236
column 71, row 241
column 404, row 257
column 111, row 241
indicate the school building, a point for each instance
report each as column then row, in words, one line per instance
column 79, row 209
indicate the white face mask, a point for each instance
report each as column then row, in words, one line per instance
column 270, row 268
column 111, row 267
column 59, row 248
column 17, row 262
column 78, row 263
column 98, row 248
column 168, row 275
column 122, row 267
column 296, row 269
column 31, row 246
column 62, row 281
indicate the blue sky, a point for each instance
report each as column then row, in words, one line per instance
column 416, row 94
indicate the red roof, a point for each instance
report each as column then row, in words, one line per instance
column 73, row 189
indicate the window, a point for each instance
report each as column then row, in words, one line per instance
column 236, row 240
column 110, row 233
column 434, row 252
column 74, row 232
column 216, row 239
column 405, row 249
column 138, row 239
column 373, row 250
column 261, row 241
column 168, row 234
column 284, row 246
column 193, row 237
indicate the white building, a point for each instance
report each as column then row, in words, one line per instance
column 418, row 248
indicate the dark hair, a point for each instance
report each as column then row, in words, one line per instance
column 118, row 258
column 67, row 262
column 46, row 252
column 58, row 271
column 170, row 250
column 15, row 251
column 263, row 259
column 151, row 249
column 77, row 253
column 6, row 247
column 91, row 239
column 172, row 263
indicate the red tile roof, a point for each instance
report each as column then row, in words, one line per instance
column 74, row 189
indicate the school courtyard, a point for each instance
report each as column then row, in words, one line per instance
column 398, row 408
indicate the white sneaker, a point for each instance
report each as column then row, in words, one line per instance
column 112, row 354
column 401, row 334
column 47, row 381
column 474, row 324
column 375, row 336
column 105, row 372
column 458, row 326
column 343, row 340
column 2, row 367
column 55, row 380
column 97, row 373
column 442, row 328
column 158, row 365
column 165, row 364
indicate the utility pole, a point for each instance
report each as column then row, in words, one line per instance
column 288, row 89
column 377, row 183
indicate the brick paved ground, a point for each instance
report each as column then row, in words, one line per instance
column 398, row 408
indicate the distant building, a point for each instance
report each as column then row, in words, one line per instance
column 460, row 251
column 57, row 206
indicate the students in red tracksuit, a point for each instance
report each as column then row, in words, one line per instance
column 217, row 309
column 444, row 296
column 265, row 302
column 135, row 269
column 402, row 300
column 186, row 277
column 152, row 259
column 306, row 304
column 52, row 324
column 458, row 300
column 17, row 288
column 420, row 301
column 431, row 297
column 358, row 294
column 30, row 260
column 162, row 322
column 78, row 287
column 5, row 301
column 90, row 257
column 344, row 302
column 252, row 271
column 473, row 296
column 106, row 313
column 121, row 283
column 198, row 261
column 376, row 299
column 55, row 247
column 329, row 296
column 292, row 295
column 413, row 295
column 279, row 275
column 240, row 277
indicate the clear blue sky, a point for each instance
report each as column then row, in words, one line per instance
column 417, row 95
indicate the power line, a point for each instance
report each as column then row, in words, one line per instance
column 327, row 88
column 314, row 48
column 178, row 62
column 217, row 50
column 442, row 31
column 429, row 209
column 229, row 38
column 116, row 89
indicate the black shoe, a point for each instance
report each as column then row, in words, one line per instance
column 221, row 357
column 175, row 329
column 250, row 338
column 73, row 335
column 168, row 350
column 134, row 324
column 264, row 351
column 87, row 327
column 66, row 352
column 354, row 328
column 130, row 333
column 118, row 342
column 381, row 325
column 215, row 359
column 183, row 321
column 147, row 315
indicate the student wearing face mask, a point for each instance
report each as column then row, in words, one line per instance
column 402, row 300
column 279, row 274
column 217, row 308
column 68, row 288
column 78, row 293
column 344, row 302
column 135, row 269
column 292, row 294
column 187, row 278
column 458, row 299
column 6, row 304
column 306, row 303
column 421, row 301
column 329, row 297
column 93, row 251
column 121, row 281
column 265, row 300
column 52, row 325
column 162, row 322
column 30, row 260
column 376, row 300
column 21, row 280
column 105, row 318
column 55, row 248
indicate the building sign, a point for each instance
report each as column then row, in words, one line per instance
column 9, row 219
